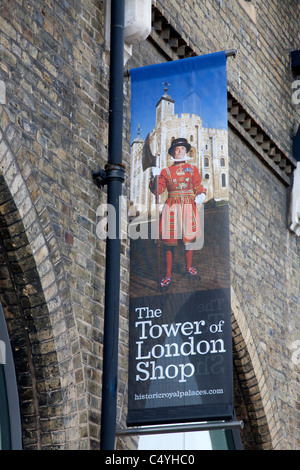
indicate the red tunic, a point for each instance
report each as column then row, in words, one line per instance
column 180, row 219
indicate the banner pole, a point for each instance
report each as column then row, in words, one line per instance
column 228, row 53
column 148, row 430
column 231, row 53
column 113, row 176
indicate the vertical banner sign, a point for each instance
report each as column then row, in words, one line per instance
column 180, row 356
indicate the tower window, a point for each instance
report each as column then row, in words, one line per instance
column 223, row 180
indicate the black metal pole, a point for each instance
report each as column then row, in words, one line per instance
column 114, row 176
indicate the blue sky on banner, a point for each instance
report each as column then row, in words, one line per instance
column 197, row 85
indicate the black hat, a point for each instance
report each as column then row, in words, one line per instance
column 178, row 143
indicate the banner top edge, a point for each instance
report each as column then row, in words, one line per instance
column 221, row 55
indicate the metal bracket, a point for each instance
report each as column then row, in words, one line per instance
column 231, row 53
column 180, row 428
column 111, row 171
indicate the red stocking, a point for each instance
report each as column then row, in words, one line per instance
column 169, row 259
column 189, row 257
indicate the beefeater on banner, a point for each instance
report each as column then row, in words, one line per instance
column 180, row 218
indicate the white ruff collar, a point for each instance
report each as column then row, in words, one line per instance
column 180, row 160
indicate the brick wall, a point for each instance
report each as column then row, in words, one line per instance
column 54, row 133
column 264, row 254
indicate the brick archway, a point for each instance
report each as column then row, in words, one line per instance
column 250, row 389
column 24, row 308
column 36, row 304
